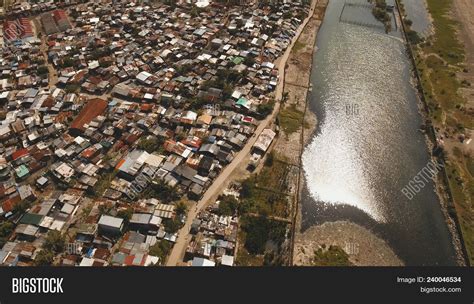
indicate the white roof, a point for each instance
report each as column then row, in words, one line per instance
column 189, row 115
column 65, row 170
column 46, row 222
column 202, row 3
column 154, row 160
column 57, row 225
column 142, row 76
column 203, row 262
column 107, row 220
column 87, row 262
column 79, row 140
column 265, row 139
column 236, row 94
column 227, row 260
column 67, row 208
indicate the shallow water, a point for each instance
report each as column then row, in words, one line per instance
column 417, row 12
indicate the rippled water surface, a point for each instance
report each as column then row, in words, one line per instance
column 367, row 146
column 417, row 13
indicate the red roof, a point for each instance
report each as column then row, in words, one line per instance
column 92, row 109
column 19, row 28
column 129, row 260
column 19, row 153
column 10, row 203
column 89, row 152
column 194, row 142
column 59, row 14
column 120, row 163
column 146, row 107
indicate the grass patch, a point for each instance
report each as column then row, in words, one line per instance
column 445, row 43
column 244, row 258
column 265, row 193
column 444, row 83
column 290, row 119
column 274, row 176
column 458, row 172
column 104, row 183
column 261, row 240
column 298, row 46
column 332, row 256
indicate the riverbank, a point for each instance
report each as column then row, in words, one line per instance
column 296, row 123
column 437, row 61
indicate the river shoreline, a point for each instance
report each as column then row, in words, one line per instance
column 440, row 188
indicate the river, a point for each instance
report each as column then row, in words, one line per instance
column 417, row 12
column 367, row 146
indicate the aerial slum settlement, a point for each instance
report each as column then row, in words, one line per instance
column 113, row 114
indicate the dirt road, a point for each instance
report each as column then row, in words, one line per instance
column 179, row 248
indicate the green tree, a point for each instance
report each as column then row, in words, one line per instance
column 44, row 258
column 333, row 256
column 161, row 249
column 181, row 208
column 265, row 109
column 247, row 188
column 42, row 70
column 72, row 88
column 260, row 230
column 257, row 235
column 269, row 159
column 54, row 242
column 6, row 228
column 228, row 205
column 21, row 207
column 172, row 225
column 159, row 189
column 150, row 144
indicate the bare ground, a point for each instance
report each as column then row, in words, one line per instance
column 363, row 247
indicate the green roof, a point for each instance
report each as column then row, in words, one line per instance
column 237, row 60
column 106, row 144
column 31, row 219
column 22, row 171
column 242, row 101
